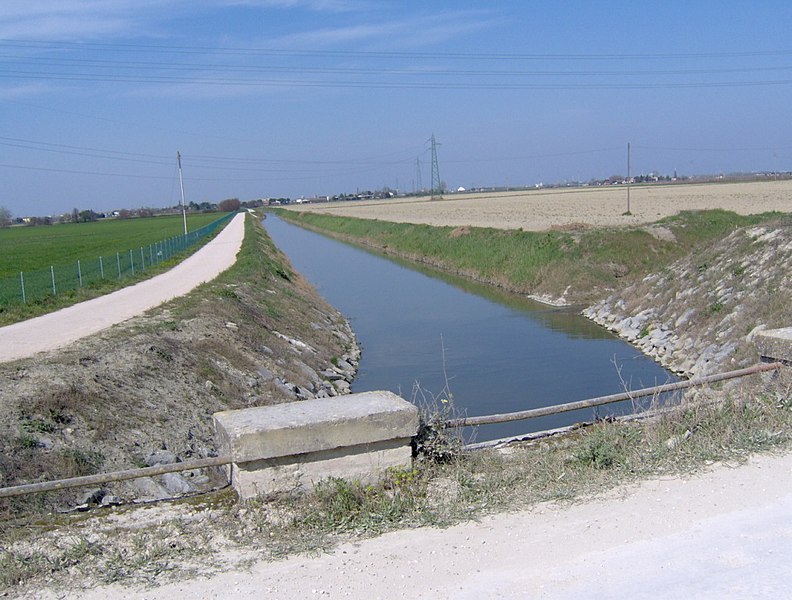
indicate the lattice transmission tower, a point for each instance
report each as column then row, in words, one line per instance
column 437, row 188
column 418, row 189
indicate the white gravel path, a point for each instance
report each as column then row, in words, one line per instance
column 723, row 534
column 60, row 328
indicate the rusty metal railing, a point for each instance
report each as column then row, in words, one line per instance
column 60, row 484
column 602, row 400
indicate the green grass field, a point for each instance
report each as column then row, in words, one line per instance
column 69, row 263
column 32, row 248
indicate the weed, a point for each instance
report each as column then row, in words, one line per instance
column 600, row 449
column 434, row 441
column 226, row 292
column 17, row 567
column 37, row 426
column 26, row 441
column 80, row 462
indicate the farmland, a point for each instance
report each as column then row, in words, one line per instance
column 32, row 248
column 570, row 208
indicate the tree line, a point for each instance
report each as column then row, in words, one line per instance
column 87, row 216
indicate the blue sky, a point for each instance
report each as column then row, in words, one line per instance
column 304, row 97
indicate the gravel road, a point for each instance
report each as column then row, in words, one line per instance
column 722, row 534
column 60, row 328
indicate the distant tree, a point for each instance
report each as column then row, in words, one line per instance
column 88, row 216
column 33, row 221
column 5, row 217
column 229, row 205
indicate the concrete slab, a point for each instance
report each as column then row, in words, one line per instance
column 365, row 464
column 775, row 345
column 294, row 445
column 313, row 425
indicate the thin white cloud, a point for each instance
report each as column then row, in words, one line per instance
column 67, row 20
column 25, row 90
column 314, row 5
column 409, row 33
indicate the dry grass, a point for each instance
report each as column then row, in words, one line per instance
column 167, row 541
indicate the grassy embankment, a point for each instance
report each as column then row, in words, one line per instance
column 585, row 264
column 28, row 249
column 60, row 420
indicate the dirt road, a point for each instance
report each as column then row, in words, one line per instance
column 722, row 534
column 58, row 329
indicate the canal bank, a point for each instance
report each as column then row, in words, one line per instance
column 433, row 337
column 690, row 291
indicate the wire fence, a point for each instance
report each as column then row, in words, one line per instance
column 30, row 286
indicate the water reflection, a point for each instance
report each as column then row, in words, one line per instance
column 499, row 352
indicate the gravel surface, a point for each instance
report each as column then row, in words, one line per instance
column 724, row 533
column 60, row 328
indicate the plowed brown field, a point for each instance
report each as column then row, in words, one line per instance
column 537, row 210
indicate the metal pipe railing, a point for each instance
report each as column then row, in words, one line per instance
column 218, row 461
column 61, row 484
column 601, row 400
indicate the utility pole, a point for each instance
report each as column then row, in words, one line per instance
column 629, row 178
column 418, row 174
column 437, row 192
column 181, row 187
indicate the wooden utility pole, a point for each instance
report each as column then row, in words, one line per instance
column 181, row 187
column 629, row 179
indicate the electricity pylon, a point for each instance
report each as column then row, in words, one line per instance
column 437, row 191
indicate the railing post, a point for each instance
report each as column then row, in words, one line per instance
column 118, row 264
column 52, row 278
column 142, row 260
column 79, row 273
column 22, row 285
column 131, row 262
column 101, row 268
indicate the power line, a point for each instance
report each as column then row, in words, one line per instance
column 237, row 68
column 676, row 149
column 54, row 76
column 124, row 47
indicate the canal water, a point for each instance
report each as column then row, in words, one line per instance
column 424, row 334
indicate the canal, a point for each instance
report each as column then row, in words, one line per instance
column 425, row 334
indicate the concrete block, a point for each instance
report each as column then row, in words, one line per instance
column 294, row 445
column 774, row 345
